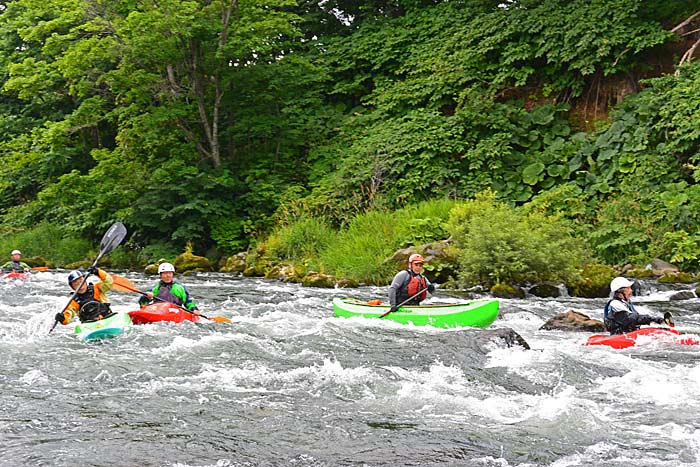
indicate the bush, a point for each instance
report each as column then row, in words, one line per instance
column 48, row 241
column 503, row 245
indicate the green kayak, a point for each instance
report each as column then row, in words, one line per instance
column 111, row 326
column 476, row 314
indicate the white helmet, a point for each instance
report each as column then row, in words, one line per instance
column 618, row 283
column 166, row 267
column 16, row 252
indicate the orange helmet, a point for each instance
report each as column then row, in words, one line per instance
column 415, row 258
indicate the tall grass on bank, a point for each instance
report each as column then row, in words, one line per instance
column 301, row 241
column 47, row 241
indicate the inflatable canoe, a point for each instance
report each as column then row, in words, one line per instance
column 477, row 314
column 645, row 335
column 111, row 326
column 161, row 311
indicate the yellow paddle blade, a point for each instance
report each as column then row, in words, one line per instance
column 220, row 319
column 122, row 284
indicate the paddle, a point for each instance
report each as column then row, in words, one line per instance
column 667, row 319
column 403, row 303
column 41, row 268
column 125, row 285
column 111, row 239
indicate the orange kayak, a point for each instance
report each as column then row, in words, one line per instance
column 161, row 311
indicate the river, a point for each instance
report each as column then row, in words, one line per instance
column 288, row 384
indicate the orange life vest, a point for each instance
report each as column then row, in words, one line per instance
column 415, row 285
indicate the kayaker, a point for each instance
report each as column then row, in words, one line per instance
column 90, row 303
column 169, row 290
column 619, row 313
column 410, row 282
column 16, row 264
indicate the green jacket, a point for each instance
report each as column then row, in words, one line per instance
column 18, row 266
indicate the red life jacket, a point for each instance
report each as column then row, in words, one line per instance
column 415, row 285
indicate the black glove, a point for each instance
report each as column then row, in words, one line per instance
column 60, row 317
column 657, row 320
column 431, row 288
column 393, row 308
column 92, row 270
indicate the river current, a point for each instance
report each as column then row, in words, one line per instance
column 288, row 384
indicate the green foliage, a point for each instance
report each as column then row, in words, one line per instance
column 48, row 241
column 499, row 244
column 360, row 249
column 301, row 241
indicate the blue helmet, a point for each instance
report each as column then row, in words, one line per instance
column 75, row 275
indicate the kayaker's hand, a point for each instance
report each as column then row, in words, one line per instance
column 393, row 308
column 431, row 288
column 92, row 270
column 60, row 317
column 149, row 295
column 658, row 320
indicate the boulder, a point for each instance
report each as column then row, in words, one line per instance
column 545, row 290
column 661, row 267
column 317, row 279
column 286, row 272
column 676, row 278
column 507, row 291
column 683, row 295
column 189, row 262
column 573, row 321
column 235, row 263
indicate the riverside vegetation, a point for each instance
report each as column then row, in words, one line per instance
column 528, row 141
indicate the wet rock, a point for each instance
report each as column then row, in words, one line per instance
column 676, row 278
column 573, row 321
column 507, row 291
column 286, row 272
column 661, row 267
column 683, row 295
column 235, row 263
column 189, row 262
column 317, row 279
column 545, row 290
column 596, row 281
column 501, row 338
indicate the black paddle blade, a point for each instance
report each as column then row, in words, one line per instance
column 667, row 318
column 112, row 238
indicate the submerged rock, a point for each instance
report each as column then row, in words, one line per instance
column 573, row 321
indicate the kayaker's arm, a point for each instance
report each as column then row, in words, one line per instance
column 399, row 281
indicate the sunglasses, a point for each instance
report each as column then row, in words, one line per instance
column 418, row 264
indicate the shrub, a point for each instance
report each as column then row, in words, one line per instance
column 503, row 245
column 48, row 241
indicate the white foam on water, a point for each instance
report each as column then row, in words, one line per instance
column 181, row 343
column 33, row 376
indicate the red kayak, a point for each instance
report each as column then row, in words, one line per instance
column 623, row 341
column 15, row 275
column 161, row 311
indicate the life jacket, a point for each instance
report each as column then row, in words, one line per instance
column 16, row 267
column 164, row 292
column 416, row 283
column 611, row 324
column 91, row 309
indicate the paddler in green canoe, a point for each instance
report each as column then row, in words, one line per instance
column 410, row 286
column 619, row 314
column 16, row 264
column 169, row 290
column 90, row 302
